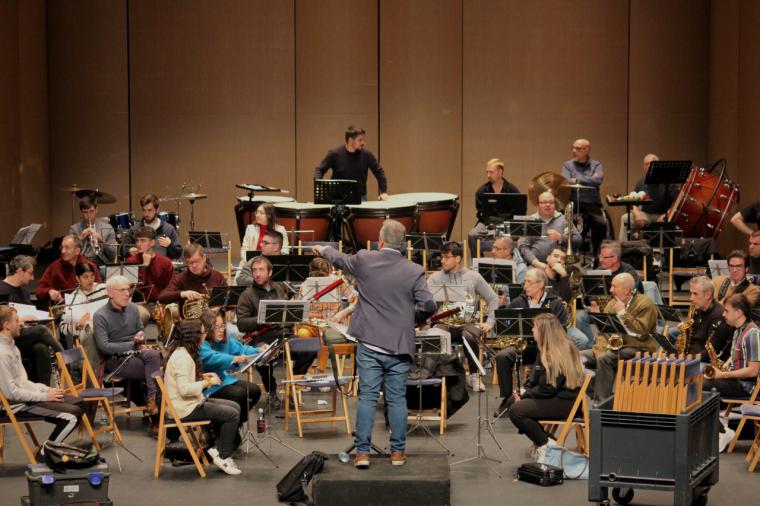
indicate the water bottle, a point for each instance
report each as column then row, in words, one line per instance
column 261, row 424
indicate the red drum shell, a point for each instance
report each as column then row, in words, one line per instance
column 436, row 212
column 304, row 216
column 367, row 218
column 704, row 203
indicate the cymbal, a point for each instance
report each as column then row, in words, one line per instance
column 551, row 182
column 577, row 186
column 73, row 189
column 186, row 196
column 101, row 197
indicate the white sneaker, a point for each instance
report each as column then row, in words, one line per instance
column 539, row 454
column 724, row 438
column 227, row 465
column 474, row 383
column 213, row 453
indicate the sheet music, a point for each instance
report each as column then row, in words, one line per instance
column 25, row 310
column 75, row 312
column 718, row 267
column 598, row 272
column 129, row 271
column 477, row 262
column 26, row 234
column 342, row 329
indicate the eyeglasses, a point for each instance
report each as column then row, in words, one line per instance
column 447, row 257
column 122, row 289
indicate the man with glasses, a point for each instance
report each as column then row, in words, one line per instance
column 535, row 249
column 504, row 249
column 737, row 280
column 194, row 283
column 60, row 276
column 271, row 245
column 120, row 338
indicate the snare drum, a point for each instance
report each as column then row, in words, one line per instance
column 435, row 213
column 245, row 209
column 170, row 218
column 310, row 222
column 366, row 219
column 123, row 221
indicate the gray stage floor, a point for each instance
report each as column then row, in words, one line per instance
column 472, row 483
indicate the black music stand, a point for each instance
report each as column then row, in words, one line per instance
column 338, row 193
column 210, row 241
column 495, row 272
column 514, row 290
column 290, row 268
column 252, row 254
column 669, row 313
column 662, row 235
column 131, row 271
column 521, row 228
column 225, row 297
column 668, row 172
column 427, row 242
column 517, row 322
column 498, row 207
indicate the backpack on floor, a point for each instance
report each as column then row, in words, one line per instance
column 292, row 487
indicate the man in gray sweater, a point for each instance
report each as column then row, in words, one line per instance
column 452, row 273
column 28, row 399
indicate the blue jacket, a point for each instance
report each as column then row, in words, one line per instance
column 219, row 359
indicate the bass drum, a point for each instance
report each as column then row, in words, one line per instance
column 246, row 207
column 304, row 221
column 366, row 219
column 435, row 212
column 704, row 203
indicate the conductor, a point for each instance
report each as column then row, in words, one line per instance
column 392, row 296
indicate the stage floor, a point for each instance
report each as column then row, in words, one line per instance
column 471, row 483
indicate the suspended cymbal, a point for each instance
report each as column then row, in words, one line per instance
column 74, row 188
column 551, row 182
column 576, row 186
column 101, row 197
column 186, row 196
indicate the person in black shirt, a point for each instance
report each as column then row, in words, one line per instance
column 749, row 214
column 662, row 196
column 495, row 184
column 351, row 161
column 708, row 321
column 754, row 256
column 35, row 341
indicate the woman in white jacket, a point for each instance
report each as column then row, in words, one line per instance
column 264, row 219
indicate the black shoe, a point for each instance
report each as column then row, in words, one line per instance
column 274, row 402
column 502, row 409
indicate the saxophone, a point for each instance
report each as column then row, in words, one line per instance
column 686, row 332
column 716, row 364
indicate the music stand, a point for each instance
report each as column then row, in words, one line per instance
column 517, row 322
column 523, row 228
column 596, row 286
column 668, row 172
column 498, row 207
column 449, row 293
column 718, row 268
column 495, row 270
column 608, row 323
column 662, row 235
column 425, row 241
column 669, row 313
column 249, row 255
column 338, row 193
column 225, row 297
column 129, row 271
column 290, row 268
column 211, row 242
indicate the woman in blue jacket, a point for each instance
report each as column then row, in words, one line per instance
column 223, row 354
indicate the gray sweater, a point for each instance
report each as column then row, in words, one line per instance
column 475, row 285
column 14, row 383
column 115, row 329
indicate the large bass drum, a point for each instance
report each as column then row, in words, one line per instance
column 705, row 201
column 366, row 219
column 435, row 212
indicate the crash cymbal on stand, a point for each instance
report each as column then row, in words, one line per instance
column 186, row 196
column 578, row 186
column 101, row 197
column 552, row 182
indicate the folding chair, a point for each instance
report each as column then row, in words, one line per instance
column 88, row 390
column 733, row 403
column 344, row 353
column 749, row 412
column 579, row 423
column 440, row 414
column 294, row 384
column 7, row 417
column 189, row 437
column 742, row 403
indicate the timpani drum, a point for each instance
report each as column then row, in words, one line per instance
column 366, row 219
column 435, row 213
column 245, row 209
column 304, row 221
column 704, row 203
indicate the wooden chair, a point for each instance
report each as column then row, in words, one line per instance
column 750, row 412
column 9, row 418
column 439, row 414
column 89, row 390
column 573, row 421
column 741, row 403
column 188, row 431
column 294, row 384
column 345, row 353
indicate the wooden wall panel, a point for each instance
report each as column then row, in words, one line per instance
column 212, row 101
column 336, row 81
column 87, row 68
column 421, row 95
column 552, row 72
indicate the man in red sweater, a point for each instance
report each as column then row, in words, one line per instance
column 60, row 276
column 197, row 281
column 156, row 271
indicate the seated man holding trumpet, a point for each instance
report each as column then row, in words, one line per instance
column 638, row 314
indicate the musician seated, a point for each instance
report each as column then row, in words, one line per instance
column 194, row 283
column 156, row 271
column 638, row 314
column 97, row 235
column 324, row 311
column 737, row 280
column 35, row 342
column 535, row 295
column 707, row 322
column 754, row 256
column 264, row 220
column 662, row 196
column 247, row 311
column 737, row 376
column 553, row 387
column 223, row 354
column 30, row 399
column 495, row 184
column 185, row 384
column 504, row 249
column 535, row 250
column 453, row 273
column 60, row 276
column 81, row 330
column 271, row 245
column 166, row 235
column 120, row 339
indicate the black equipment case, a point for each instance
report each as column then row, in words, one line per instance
column 540, row 474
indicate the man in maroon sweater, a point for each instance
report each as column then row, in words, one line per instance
column 198, row 280
column 60, row 276
column 156, row 271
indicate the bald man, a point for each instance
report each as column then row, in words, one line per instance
column 639, row 316
column 582, row 169
column 662, row 195
column 496, row 183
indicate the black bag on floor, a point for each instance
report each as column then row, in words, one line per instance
column 292, row 487
column 60, row 456
column 540, row 474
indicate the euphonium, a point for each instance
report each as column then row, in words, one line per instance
column 686, row 332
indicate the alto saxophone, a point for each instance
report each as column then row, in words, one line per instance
column 716, row 364
column 685, row 332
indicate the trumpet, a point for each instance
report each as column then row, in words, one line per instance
column 93, row 239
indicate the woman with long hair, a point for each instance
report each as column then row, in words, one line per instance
column 185, row 383
column 264, row 219
column 553, row 386
column 222, row 354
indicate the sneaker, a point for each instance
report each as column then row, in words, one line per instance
column 213, row 453
column 724, row 438
column 503, row 408
column 398, row 458
column 227, row 465
column 539, row 454
column 361, row 461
